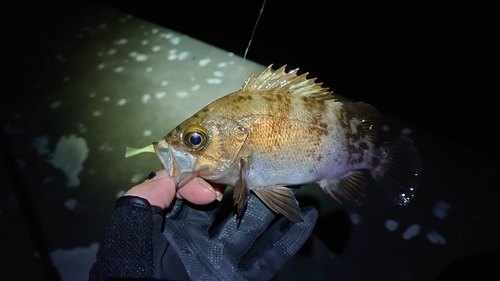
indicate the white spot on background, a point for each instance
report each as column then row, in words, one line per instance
column 145, row 98
column 92, row 95
column 144, row 42
column 166, row 35
column 182, row 94
column 70, row 204
column 435, row 237
column 391, row 225
column 132, row 54
column 230, row 54
column 137, row 178
column 164, row 83
column 222, row 64
column 105, row 147
column 141, row 57
column 121, row 102
column 214, row 81
column 111, row 52
column 183, row 55
column 204, row 62
column 41, row 144
column 121, row 41
column 82, row 128
column 74, row 264
column 406, row 131
column 441, row 209
column 385, row 128
column 355, row 218
column 175, row 40
column 160, row 95
column 55, row 104
column 156, row 48
column 106, row 98
column 120, row 194
column 172, row 54
column 149, row 69
column 154, row 30
column 69, row 155
column 195, row 88
column 119, row 69
column 412, row 231
column 147, row 133
column 100, row 66
column 218, row 73
column 96, row 113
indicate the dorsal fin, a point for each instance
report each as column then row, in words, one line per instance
column 282, row 81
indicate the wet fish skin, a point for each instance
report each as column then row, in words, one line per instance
column 282, row 129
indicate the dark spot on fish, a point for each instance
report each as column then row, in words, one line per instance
column 268, row 99
column 319, row 157
column 243, row 98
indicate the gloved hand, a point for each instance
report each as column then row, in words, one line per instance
column 254, row 249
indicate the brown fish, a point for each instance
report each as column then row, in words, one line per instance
column 282, row 129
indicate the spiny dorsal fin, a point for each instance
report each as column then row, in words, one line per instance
column 282, row 81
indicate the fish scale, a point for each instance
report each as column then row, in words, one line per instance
column 282, row 129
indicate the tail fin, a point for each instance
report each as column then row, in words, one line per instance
column 398, row 170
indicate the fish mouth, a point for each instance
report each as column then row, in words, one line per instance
column 178, row 164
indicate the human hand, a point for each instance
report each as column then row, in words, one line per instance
column 161, row 190
column 254, row 249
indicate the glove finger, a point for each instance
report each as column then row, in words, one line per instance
column 195, row 217
column 242, row 234
column 278, row 245
column 173, row 210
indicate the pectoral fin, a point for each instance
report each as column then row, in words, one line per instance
column 241, row 190
column 281, row 200
column 350, row 187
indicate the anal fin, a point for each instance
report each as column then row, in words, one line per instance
column 281, row 200
column 351, row 187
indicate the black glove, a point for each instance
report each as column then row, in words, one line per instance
column 254, row 249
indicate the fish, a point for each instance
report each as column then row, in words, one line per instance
column 282, row 129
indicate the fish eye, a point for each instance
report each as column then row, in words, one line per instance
column 194, row 136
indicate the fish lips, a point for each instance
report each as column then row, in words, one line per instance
column 178, row 164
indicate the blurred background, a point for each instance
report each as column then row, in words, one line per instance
column 82, row 80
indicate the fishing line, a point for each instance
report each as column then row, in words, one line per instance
column 253, row 34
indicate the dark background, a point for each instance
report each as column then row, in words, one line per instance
column 434, row 64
